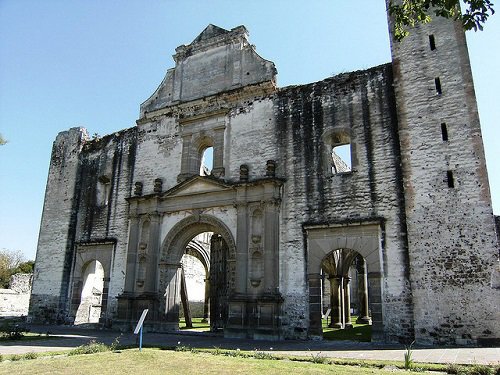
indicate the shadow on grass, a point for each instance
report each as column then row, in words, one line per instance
column 359, row 332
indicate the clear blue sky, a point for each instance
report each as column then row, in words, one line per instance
column 91, row 63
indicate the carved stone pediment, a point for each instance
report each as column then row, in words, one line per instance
column 197, row 185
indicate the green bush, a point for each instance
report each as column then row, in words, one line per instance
column 480, row 370
column 90, row 348
column 16, row 357
column 13, row 330
column 30, row 355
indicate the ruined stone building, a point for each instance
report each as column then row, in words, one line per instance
column 288, row 211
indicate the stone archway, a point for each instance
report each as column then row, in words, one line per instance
column 89, row 308
column 85, row 255
column 363, row 238
column 172, row 250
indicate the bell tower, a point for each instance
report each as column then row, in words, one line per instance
column 452, row 243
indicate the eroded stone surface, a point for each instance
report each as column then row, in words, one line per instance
column 416, row 207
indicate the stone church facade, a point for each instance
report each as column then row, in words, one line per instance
column 412, row 205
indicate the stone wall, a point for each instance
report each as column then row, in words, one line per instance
column 15, row 300
column 453, row 248
column 416, row 206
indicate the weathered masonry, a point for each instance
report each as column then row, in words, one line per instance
column 364, row 192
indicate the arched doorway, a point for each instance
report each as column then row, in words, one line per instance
column 345, row 292
column 195, row 286
column 360, row 239
column 221, row 267
column 89, row 309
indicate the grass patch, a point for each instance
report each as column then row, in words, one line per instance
column 90, row 348
column 186, row 360
column 160, row 362
column 198, row 324
column 358, row 332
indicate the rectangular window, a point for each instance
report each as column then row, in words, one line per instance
column 451, row 181
column 444, row 131
column 432, row 42
column 437, row 82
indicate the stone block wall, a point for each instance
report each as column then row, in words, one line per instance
column 451, row 232
column 362, row 104
column 420, row 200
column 15, row 300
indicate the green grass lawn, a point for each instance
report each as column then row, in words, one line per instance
column 154, row 361
column 359, row 332
column 198, row 325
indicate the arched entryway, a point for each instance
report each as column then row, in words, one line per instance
column 326, row 242
column 90, row 283
column 221, row 267
column 89, row 308
column 345, row 296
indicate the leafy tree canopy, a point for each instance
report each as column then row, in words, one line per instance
column 2, row 140
column 12, row 262
column 408, row 13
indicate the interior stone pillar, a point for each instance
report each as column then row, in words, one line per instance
column 133, row 238
column 347, row 303
column 171, row 279
column 335, row 305
column 206, row 307
column 363, row 317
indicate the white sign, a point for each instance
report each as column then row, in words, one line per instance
column 141, row 321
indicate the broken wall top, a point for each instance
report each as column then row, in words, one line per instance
column 217, row 60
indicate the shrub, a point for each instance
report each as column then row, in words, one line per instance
column 455, row 369
column 480, row 370
column 30, row 355
column 15, row 357
column 13, row 331
column 90, row 348
column 318, row 358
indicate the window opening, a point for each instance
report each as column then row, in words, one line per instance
column 437, row 82
column 103, row 188
column 432, row 42
column 444, row 131
column 451, row 181
column 207, row 162
column 341, row 158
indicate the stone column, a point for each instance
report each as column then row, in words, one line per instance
column 154, row 250
column 133, row 238
column 186, row 171
column 363, row 317
column 241, row 246
column 206, row 307
column 171, row 288
column 218, row 157
column 336, row 317
column 314, row 281
column 271, row 244
column 347, row 303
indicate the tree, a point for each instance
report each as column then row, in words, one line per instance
column 12, row 262
column 2, row 140
column 408, row 13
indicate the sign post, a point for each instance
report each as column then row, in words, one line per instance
column 138, row 328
